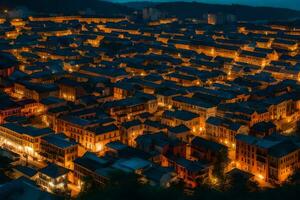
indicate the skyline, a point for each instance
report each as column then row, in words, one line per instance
column 291, row 4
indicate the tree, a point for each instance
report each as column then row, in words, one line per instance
column 294, row 178
column 126, row 186
column 88, row 186
column 220, row 164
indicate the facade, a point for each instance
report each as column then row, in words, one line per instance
column 178, row 117
column 88, row 131
column 272, row 159
column 88, row 166
column 202, row 108
column 191, row 172
column 58, row 149
column 35, row 91
column 70, row 90
column 263, row 129
column 205, row 150
column 180, row 132
column 129, row 131
column 23, row 139
column 53, row 178
column 223, row 131
column 253, row 58
column 11, row 110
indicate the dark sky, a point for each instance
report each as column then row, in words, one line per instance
column 294, row 4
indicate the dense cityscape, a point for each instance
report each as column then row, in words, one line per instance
column 170, row 101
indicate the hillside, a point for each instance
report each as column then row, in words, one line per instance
column 249, row 13
column 67, row 6
column 178, row 9
column 140, row 4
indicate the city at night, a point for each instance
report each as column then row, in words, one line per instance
column 152, row 100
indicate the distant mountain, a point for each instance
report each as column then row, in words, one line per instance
column 178, row 9
column 247, row 13
column 140, row 4
column 98, row 7
column 291, row 4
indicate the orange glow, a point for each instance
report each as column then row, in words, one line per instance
column 261, row 177
column 99, row 147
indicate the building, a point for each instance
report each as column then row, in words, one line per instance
column 215, row 19
column 223, row 130
column 191, row 172
column 96, row 138
column 30, row 107
column 90, row 165
column 180, row 132
column 53, row 178
column 8, row 108
column 123, row 91
column 160, row 144
column 203, row 108
column 129, row 131
column 159, row 176
column 59, row 149
column 8, row 64
column 178, row 117
column 253, row 58
column 88, row 130
column 24, row 171
column 27, row 188
column 126, row 109
column 23, row 139
column 263, row 129
column 284, row 44
column 272, row 159
column 205, row 150
column 35, row 91
column 70, row 90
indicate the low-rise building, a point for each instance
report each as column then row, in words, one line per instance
column 272, row 159
column 178, row 117
column 191, row 172
column 59, row 149
column 9, row 108
column 129, row 131
column 263, row 129
column 53, row 178
column 23, row 139
column 223, row 130
column 205, row 150
column 89, row 166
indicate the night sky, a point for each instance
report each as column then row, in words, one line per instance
column 294, row 4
